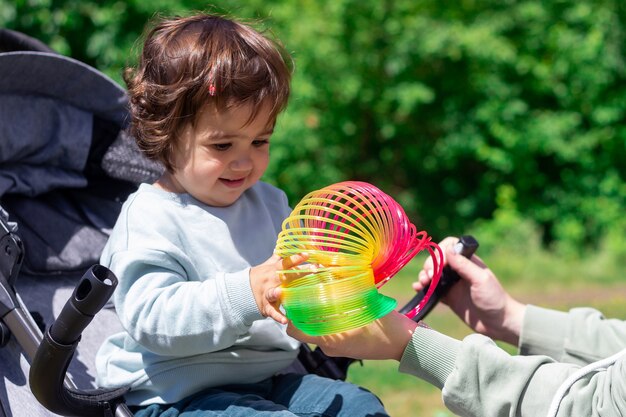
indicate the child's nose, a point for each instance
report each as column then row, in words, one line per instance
column 241, row 163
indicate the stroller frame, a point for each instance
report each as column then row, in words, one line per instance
column 50, row 353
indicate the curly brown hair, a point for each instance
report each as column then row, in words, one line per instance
column 189, row 62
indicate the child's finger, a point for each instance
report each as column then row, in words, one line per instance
column 294, row 260
column 276, row 314
column 273, row 259
column 273, row 295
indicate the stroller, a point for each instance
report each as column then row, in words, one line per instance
column 66, row 166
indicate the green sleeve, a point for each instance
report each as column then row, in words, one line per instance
column 479, row 379
column 581, row 336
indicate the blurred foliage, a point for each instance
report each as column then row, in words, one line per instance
column 478, row 109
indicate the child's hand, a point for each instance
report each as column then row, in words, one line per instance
column 265, row 281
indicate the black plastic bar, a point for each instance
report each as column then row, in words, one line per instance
column 90, row 295
column 49, row 366
column 20, row 324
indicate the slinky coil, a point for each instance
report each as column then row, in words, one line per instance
column 357, row 238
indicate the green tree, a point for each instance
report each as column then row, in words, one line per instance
column 441, row 105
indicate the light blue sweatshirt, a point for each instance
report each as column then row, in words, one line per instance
column 184, row 295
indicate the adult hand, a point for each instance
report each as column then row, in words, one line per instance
column 265, row 283
column 385, row 338
column 478, row 298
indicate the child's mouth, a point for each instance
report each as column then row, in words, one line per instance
column 232, row 183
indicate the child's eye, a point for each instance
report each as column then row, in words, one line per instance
column 260, row 142
column 221, row 146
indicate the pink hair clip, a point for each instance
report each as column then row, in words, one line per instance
column 212, row 88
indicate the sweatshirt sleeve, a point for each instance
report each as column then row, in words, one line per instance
column 580, row 336
column 479, row 379
column 172, row 298
column 170, row 315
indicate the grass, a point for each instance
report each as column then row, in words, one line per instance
column 539, row 278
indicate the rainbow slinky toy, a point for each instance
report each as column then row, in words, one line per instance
column 357, row 238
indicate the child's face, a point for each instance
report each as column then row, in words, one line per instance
column 221, row 156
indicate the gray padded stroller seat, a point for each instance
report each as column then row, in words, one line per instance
column 66, row 165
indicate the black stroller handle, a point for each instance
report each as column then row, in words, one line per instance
column 91, row 294
column 466, row 246
column 49, row 366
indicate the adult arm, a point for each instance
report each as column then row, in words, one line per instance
column 478, row 378
column 580, row 336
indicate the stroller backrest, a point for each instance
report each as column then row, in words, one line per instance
column 67, row 162
column 66, row 166
column 11, row 40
